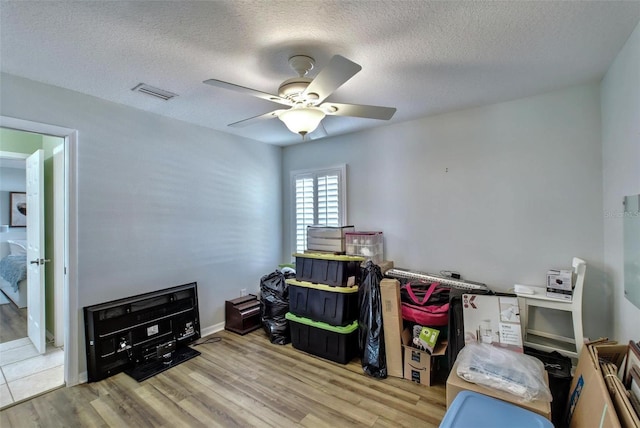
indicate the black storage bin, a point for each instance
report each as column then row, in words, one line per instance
column 339, row 344
column 332, row 305
column 559, row 369
column 329, row 269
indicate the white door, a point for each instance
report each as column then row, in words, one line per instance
column 35, row 250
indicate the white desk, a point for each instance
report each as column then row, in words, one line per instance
column 539, row 299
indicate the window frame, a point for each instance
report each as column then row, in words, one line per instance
column 341, row 171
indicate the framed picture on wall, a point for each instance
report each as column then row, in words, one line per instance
column 18, row 209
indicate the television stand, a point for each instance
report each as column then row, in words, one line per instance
column 149, row 369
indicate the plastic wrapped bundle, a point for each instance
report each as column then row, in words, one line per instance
column 499, row 368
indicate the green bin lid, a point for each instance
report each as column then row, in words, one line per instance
column 350, row 328
column 334, row 257
column 287, row 265
column 322, row 287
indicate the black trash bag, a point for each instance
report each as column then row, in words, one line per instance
column 371, row 333
column 274, row 304
column 277, row 330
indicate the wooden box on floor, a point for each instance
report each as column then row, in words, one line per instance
column 242, row 315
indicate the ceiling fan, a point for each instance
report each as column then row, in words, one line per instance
column 306, row 96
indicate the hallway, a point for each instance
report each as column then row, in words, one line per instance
column 24, row 373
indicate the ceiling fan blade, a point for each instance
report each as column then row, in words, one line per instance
column 256, row 119
column 249, row 91
column 331, row 77
column 358, row 110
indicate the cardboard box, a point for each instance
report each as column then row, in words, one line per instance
column 492, row 319
column 384, row 265
column 392, row 325
column 559, row 284
column 589, row 398
column 418, row 365
column 455, row 385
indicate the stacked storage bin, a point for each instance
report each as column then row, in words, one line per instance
column 369, row 245
column 327, row 238
column 323, row 305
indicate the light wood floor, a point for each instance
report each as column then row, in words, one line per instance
column 13, row 322
column 239, row 381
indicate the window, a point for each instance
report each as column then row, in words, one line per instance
column 318, row 197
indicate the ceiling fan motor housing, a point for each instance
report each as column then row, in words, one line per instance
column 293, row 88
column 302, row 64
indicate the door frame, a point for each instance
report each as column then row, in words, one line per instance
column 72, row 313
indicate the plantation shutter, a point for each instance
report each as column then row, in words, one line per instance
column 305, row 197
column 328, row 200
column 318, row 200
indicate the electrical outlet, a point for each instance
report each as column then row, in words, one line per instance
column 243, row 292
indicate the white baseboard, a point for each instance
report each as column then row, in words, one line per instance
column 52, row 339
column 212, row 329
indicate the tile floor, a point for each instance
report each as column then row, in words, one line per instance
column 24, row 373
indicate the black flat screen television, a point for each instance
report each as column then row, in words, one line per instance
column 142, row 335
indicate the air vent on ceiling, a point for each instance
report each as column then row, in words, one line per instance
column 153, row 91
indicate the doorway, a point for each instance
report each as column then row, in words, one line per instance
column 31, row 359
column 61, row 329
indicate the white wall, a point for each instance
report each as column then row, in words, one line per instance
column 500, row 193
column 161, row 202
column 621, row 171
column 12, row 179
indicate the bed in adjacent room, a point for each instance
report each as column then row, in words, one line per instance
column 13, row 273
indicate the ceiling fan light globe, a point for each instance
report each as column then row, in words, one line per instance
column 302, row 120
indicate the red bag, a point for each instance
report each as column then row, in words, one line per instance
column 420, row 311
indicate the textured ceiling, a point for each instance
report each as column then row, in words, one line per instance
column 422, row 57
